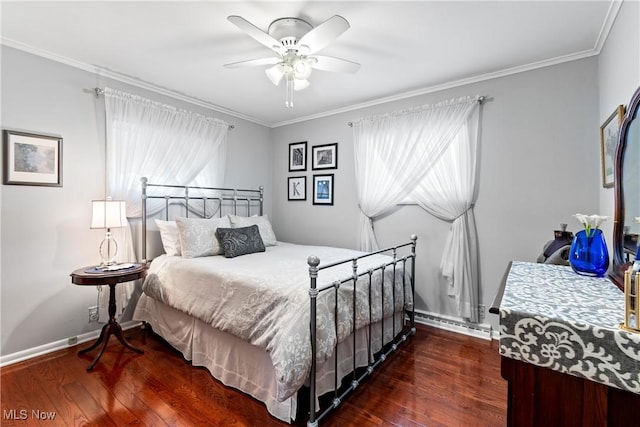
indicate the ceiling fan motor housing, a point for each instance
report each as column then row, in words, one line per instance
column 288, row 31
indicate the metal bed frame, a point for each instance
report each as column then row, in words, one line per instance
column 255, row 198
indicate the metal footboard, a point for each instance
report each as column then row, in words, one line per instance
column 339, row 394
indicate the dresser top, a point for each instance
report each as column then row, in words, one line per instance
column 552, row 317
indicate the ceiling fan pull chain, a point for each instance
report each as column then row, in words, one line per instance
column 289, row 91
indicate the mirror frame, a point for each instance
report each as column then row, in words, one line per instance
column 619, row 264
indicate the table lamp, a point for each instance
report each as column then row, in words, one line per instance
column 108, row 214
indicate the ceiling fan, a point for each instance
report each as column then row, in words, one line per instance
column 295, row 42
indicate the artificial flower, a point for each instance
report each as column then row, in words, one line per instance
column 590, row 222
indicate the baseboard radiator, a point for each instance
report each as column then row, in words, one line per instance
column 455, row 324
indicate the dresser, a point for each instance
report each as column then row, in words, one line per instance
column 565, row 360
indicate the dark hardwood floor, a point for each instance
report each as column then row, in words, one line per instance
column 440, row 379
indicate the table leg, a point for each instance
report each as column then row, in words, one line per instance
column 118, row 333
column 112, row 327
column 98, row 341
column 107, row 334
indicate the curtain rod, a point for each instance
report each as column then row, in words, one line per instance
column 480, row 100
column 99, row 91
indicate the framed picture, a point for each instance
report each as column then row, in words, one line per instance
column 323, row 189
column 297, row 188
column 325, row 156
column 298, row 156
column 31, row 159
column 608, row 141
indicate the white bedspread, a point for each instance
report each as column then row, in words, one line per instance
column 263, row 298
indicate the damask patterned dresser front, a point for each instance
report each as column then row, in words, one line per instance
column 565, row 358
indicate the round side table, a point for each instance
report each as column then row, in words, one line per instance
column 93, row 276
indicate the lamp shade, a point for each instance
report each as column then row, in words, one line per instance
column 108, row 214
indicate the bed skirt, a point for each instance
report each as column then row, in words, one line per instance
column 245, row 367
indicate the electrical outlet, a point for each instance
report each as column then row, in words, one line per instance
column 93, row 313
column 481, row 311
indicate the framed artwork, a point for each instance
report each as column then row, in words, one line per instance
column 608, row 141
column 31, row 159
column 323, row 189
column 298, row 156
column 297, row 188
column 324, row 156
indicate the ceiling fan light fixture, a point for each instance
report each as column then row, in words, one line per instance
column 300, row 84
column 275, row 73
column 301, row 68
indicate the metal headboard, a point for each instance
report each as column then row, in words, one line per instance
column 222, row 197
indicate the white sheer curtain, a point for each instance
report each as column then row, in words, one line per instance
column 448, row 192
column 394, row 152
column 394, row 155
column 163, row 143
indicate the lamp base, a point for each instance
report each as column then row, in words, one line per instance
column 108, row 250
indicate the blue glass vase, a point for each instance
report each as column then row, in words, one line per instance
column 588, row 254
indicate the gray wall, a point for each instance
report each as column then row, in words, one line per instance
column 618, row 78
column 45, row 231
column 539, row 164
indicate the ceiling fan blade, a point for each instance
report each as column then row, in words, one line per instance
column 324, row 33
column 329, row 63
column 255, row 32
column 254, row 62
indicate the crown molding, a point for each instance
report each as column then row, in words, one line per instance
column 612, row 14
column 448, row 85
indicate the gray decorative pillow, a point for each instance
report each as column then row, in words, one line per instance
column 240, row 241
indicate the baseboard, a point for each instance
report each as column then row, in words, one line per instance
column 57, row 345
column 449, row 323
column 454, row 324
column 495, row 334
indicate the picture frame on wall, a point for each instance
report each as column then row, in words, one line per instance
column 323, row 189
column 324, row 156
column 608, row 141
column 32, row 159
column 298, row 156
column 297, row 186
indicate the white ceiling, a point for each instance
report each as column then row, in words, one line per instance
column 405, row 48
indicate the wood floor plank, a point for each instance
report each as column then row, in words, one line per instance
column 50, row 378
column 18, row 410
column 438, row 378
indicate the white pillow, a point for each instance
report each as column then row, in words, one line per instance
column 198, row 236
column 266, row 231
column 169, row 236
